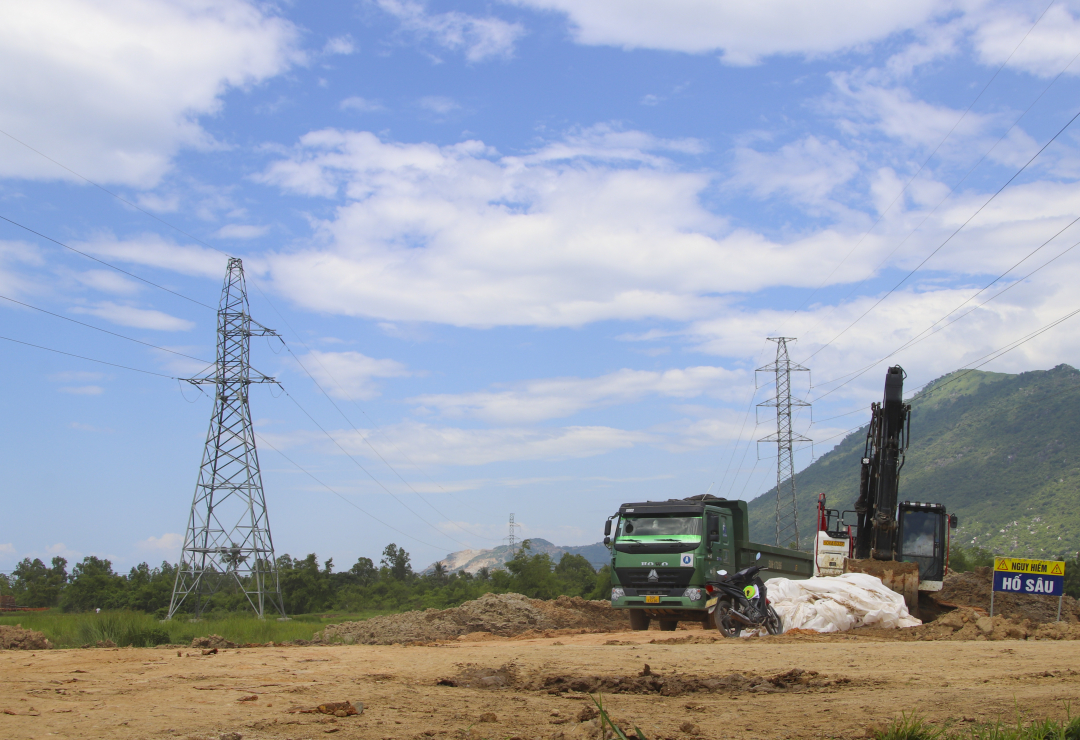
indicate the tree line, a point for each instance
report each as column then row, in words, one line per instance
column 308, row 585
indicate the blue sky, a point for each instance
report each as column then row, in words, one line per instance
column 532, row 249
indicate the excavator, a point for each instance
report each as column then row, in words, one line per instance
column 904, row 543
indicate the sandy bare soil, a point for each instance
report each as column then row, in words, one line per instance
column 794, row 686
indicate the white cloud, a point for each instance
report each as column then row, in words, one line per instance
column 553, row 398
column 14, row 257
column 114, row 89
column 241, row 231
column 155, row 251
column 807, row 170
column 1046, row 51
column 429, row 445
column 439, row 104
column 351, row 373
column 170, row 542
column 596, row 226
column 7, row 548
column 743, row 32
column 108, row 281
column 141, row 318
column 79, row 426
column 82, row 390
column 77, row 376
column 361, row 105
column 343, row 45
column 480, row 38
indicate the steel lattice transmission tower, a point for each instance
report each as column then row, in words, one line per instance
column 787, row 515
column 228, row 534
column 513, row 536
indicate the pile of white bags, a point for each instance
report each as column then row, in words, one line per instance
column 838, row 603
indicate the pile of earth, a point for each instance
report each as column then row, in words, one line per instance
column 972, row 589
column 17, row 638
column 639, row 682
column 505, row 615
column 968, row 624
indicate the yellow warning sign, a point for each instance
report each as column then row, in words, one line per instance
column 1025, row 565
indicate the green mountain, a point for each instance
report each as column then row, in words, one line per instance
column 1001, row 451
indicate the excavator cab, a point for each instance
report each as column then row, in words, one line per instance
column 924, row 536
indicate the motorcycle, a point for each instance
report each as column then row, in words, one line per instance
column 741, row 600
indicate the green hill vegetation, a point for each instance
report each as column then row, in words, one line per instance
column 1001, row 451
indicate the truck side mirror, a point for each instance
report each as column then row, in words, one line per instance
column 953, row 521
column 714, row 536
column 607, row 528
column 607, row 540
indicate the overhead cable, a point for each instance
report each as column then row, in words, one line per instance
column 107, row 264
column 106, row 331
column 949, row 238
column 927, row 160
column 89, row 359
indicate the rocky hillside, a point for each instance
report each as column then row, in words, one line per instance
column 1000, row 451
column 473, row 560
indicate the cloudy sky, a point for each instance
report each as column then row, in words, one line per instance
column 531, row 250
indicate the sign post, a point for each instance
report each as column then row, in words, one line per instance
column 1024, row 576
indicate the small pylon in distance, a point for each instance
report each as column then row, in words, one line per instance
column 228, row 542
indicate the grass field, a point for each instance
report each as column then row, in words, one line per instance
column 137, row 629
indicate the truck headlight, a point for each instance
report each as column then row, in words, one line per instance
column 694, row 594
column 617, row 593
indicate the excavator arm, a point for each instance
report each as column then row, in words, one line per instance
column 886, row 442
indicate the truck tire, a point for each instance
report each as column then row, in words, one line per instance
column 668, row 626
column 639, row 620
column 724, row 623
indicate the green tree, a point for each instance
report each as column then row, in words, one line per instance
column 94, row 585
column 576, row 575
column 305, row 587
column 35, row 584
column 395, row 561
column 531, row 574
column 363, row 573
column 963, row 559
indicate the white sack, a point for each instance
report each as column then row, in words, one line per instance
column 838, row 603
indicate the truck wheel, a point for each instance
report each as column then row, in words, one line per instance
column 666, row 626
column 723, row 622
column 639, row 620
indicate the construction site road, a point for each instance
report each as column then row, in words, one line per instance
column 671, row 685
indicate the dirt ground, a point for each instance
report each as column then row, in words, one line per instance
column 792, row 686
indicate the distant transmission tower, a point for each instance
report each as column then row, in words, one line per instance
column 228, row 534
column 513, row 536
column 787, row 516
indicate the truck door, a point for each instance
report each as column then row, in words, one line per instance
column 712, row 534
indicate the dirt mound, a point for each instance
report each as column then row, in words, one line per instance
column 505, row 615
column 212, row 641
column 17, row 638
column 973, row 589
column 644, row 682
column 968, row 624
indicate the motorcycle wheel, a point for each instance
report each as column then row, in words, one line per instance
column 727, row 626
column 774, row 625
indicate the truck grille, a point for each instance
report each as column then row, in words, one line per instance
column 667, row 578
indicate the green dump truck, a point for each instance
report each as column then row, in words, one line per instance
column 663, row 553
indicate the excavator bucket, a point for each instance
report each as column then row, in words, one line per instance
column 903, row 578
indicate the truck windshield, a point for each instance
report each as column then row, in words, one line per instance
column 660, row 525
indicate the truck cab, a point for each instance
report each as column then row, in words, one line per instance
column 663, row 553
